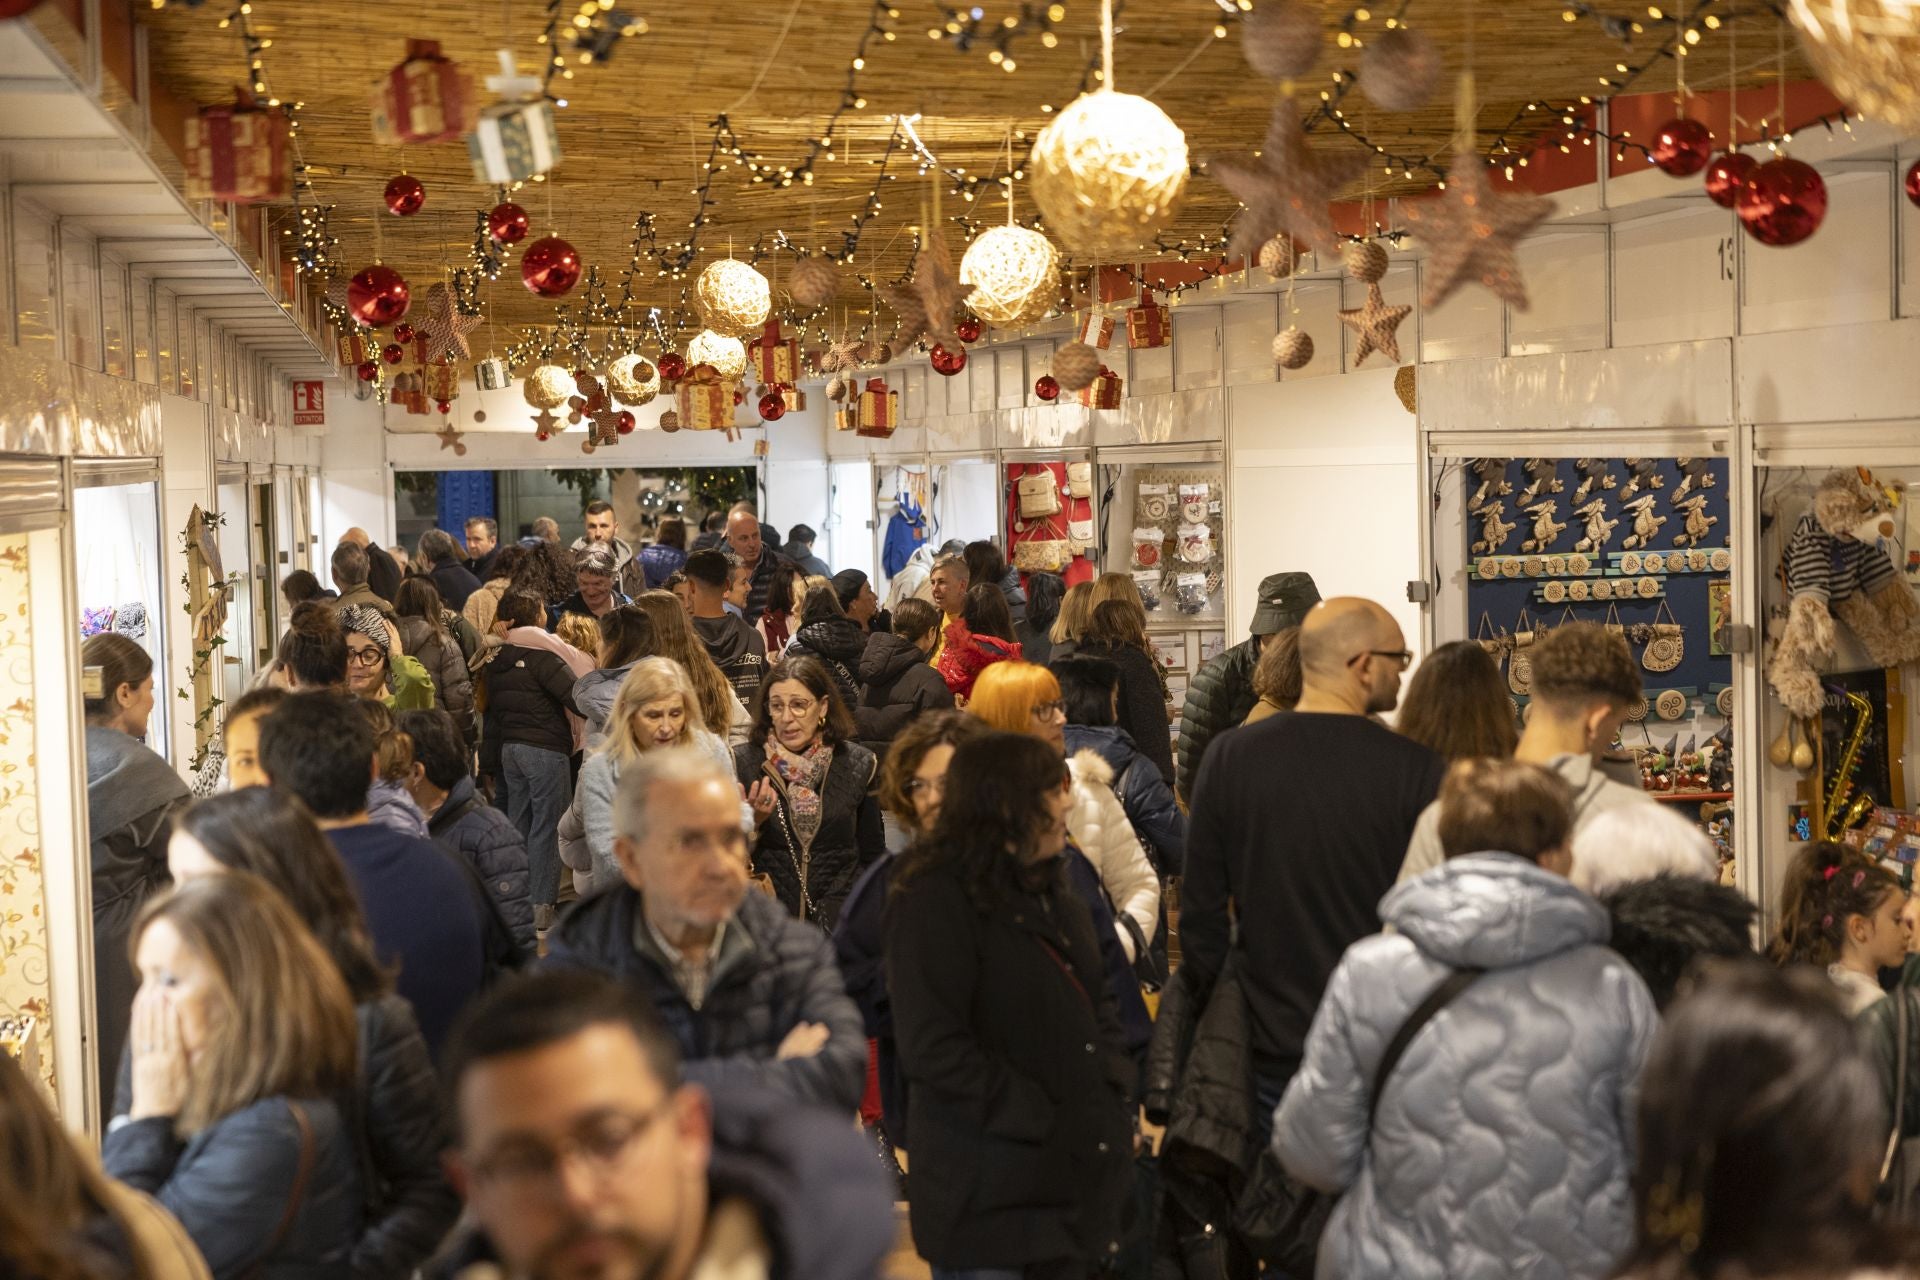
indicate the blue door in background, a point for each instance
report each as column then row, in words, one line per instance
column 464, row 496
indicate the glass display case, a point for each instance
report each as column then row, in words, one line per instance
column 117, row 564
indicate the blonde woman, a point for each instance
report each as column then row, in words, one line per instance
column 655, row 707
column 582, row 631
column 1076, row 610
column 674, row 637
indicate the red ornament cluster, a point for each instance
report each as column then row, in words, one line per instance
column 550, row 267
column 405, row 195
column 1781, row 202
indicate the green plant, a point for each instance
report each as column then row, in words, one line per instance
column 584, row 480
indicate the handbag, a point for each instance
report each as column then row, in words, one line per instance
column 1042, row 555
column 1039, row 495
column 1667, row 644
column 1495, row 646
column 1080, row 535
column 1079, row 479
column 1899, row 1192
column 302, row 1173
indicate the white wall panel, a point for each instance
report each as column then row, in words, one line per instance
column 1851, row 373
column 1471, row 324
column 1566, row 279
column 1196, row 347
column 1247, row 329
column 980, row 384
column 1680, row 385
column 1009, row 374
column 1673, row 277
column 1907, row 230
column 1315, row 311
column 1842, row 275
column 1150, row 371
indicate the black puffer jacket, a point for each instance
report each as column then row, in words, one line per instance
column 1143, row 793
column 1660, row 926
column 897, row 688
column 529, row 692
column 1218, row 698
column 1142, row 710
column 487, row 840
column 839, row 645
column 850, row 836
column 439, row 652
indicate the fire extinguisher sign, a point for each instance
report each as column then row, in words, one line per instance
column 309, row 404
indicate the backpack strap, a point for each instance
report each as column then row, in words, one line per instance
column 1437, row 999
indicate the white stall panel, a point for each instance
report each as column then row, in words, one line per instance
column 1247, row 329
column 914, row 406
column 1315, row 311
column 1196, row 347
column 1400, row 287
column 980, row 383
column 959, row 389
column 848, row 536
column 966, row 501
column 1673, row 277
column 1683, row 384
column 1010, row 373
column 1150, row 371
column 1567, row 295
column 1839, row 276
column 963, row 431
column 1470, row 324
column 1909, row 232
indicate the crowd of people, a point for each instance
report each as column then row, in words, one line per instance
column 553, row 911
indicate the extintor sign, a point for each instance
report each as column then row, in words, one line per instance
column 309, row 404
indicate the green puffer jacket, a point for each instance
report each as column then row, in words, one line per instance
column 1218, row 698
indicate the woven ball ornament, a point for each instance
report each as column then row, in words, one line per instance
column 1292, row 348
column 727, row 356
column 1014, row 274
column 1108, row 171
column 670, row 420
column 872, row 353
column 548, row 387
column 812, row 283
column 1366, row 260
column 1865, row 51
column 837, row 388
column 1399, row 69
column 1281, row 39
column 732, row 297
column 1075, row 366
column 1280, row 255
column 633, row 380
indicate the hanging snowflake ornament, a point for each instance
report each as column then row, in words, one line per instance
column 1470, row 234
column 1286, row 188
column 1373, row 325
column 443, row 326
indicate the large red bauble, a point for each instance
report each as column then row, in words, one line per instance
column 772, row 406
column 625, row 423
column 403, row 332
column 405, row 195
column 1047, row 387
column 1724, row 176
column 508, row 223
column 967, row 330
column 945, row 362
column 378, row 296
column 1913, row 182
column 393, row 353
column 367, row 370
column 550, row 267
column 673, row 366
column 1682, row 147
column 1782, row 202
column 443, row 406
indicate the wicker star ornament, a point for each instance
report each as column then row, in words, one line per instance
column 1470, row 232
column 941, row 293
column 450, row 439
column 444, row 328
column 1373, row 324
column 908, row 309
column 842, row 354
column 1287, row 188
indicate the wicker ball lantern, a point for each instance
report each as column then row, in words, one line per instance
column 547, row 387
column 726, row 355
column 1075, row 366
column 1400, row 69
column 1108, row 172
column 1864, row 51
column 812, row 283
column 1280, row 256
column 732, row 297
column 1013, row 273
column 634, row 380
column 1281, row 38
column 1366, row 260
column 1292, row 348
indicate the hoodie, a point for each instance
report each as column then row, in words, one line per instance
column 839, row 644
column 737, row 649
column 594, row 696
column 897, row 688
column 1594, row 793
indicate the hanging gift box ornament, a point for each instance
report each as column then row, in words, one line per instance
column 405, row 196
column 442, row 381
column 793, row 397
column 378, row 296
column 355, row 348
column 1103, row 392
column 879, row 411
column 775, row 357
column 426, row 98
column 491, row 374
column 846, row 419
column 1096, row 330
column 706, row 400
column 1147, row 325
column 515, row 137
column 238, row 152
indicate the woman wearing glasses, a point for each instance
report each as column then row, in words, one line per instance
column 375, row 667
column 810, row 787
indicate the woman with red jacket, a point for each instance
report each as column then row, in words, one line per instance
column 981, row 636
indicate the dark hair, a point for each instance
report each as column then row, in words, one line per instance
column 1086, row 686
column 122, row 661
column 910, row 747
column 437, row 547
column 547, row 572
column 1581, row 663
column 507, row 561
column 821, row 605
column 715, row 522
column 1044, row 593
column 1276, row 676
column 846, row 586
column 626, row 636
column 801, row 533
column 320, row 747
column 350, row 565
column 268, row 832
column 780, row 585
column 314, row 649
column 1825, row 883
column 598, row 507
column 1761, row 1120
column 995, row 803
column 1117, row 624
column 708, row 568
column 437, row 745
column 254, row 702
column 985, row 564
column 1504, row 806
column 812, row 674
column 985, row 612
column 1456, row 705
column 532, row 1010
column 913, row 618
column 419, row 598
column 672, row 533
column 485, row 522
column 299, row 586
column 521, row 608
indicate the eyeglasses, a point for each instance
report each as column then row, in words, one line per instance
column 1048, row 710
column 1403, row 656
column 602, row 1142
column 797, row 707
column 367, row 657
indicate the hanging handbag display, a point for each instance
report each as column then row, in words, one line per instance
column 1666, row 644
column 1079, row 479
column 1039, row 495
column 1080, row 535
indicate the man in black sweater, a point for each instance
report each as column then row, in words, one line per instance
column 1299, row 825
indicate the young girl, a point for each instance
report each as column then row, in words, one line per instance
column 1840, row 910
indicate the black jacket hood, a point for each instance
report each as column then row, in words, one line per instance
column 888, row 657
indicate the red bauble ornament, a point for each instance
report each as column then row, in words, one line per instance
column 1682, row 147
column 673, row 366
column 443, row 406
column 393, row 353
column 1724, row 176
column 945, row 362
column 550, row 267
column 1782, row 202
column 772, row 406
column 367, row 370
column 967, row 330
column 404, row 195
column 624, row 423
column 403, row 332
column 378, row 296
column 739, row 396
column 543, row 435
column 507, row 223
column 1913, row 182
column 1047, row 387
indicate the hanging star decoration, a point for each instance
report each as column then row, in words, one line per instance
column 909, row 311
column 842, row 354
column 596, row 408
column 450, row 439
column 545, row 424
column 444, row 327
column 940, row 292
column 1286, row 188
column 1374, row 324
column 1469, row 233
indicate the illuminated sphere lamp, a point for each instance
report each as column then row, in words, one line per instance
column 1108, row 172
column 727, row 355
column 1014, row 274
column 633, row 380
column 1865, row 51
column 732, row 297
column 548, row 387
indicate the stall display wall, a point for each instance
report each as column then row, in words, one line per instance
column 1052, row 531
column 117, row 564
column 24, row 988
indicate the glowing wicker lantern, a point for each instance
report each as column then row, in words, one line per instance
column 732, row 297
column 727, row 355
column 812, row 283
column 1864, row 50
column 1013, row 274
column 547, row 387
column 634, row 380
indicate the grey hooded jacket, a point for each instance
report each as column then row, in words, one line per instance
column 1502, row 1143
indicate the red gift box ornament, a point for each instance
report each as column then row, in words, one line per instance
column 775, row 358
column 1147, row 325
column 1096, row 330
column 427, row 98
column 1103, row 392
column 879, row 411
column 706, row 400
column 442, row 381
column 238, row 152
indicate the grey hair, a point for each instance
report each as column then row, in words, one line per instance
column 634, row 796
column 1635, row 841
column 438, row 547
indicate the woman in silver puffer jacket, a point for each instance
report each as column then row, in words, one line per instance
column 1502, row 1141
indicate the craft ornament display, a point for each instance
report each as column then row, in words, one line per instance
column 238, row 153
